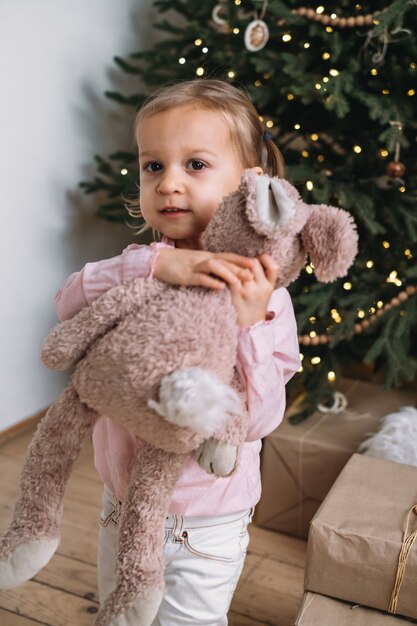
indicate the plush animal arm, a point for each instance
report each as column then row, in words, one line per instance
column 69, row 340
column 331, row 240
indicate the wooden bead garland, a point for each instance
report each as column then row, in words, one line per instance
column 340, row 22
column 411, row 290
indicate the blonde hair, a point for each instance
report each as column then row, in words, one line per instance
column 237, row 110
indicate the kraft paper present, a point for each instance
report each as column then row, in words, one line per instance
column 318, row 610
column 300, row 463
column 357, row 535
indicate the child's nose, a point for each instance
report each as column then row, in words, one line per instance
column 170, row 182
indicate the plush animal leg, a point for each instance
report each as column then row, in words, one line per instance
column 140, row 561
column 33, row 535
column 196, row 398
column 217, row 457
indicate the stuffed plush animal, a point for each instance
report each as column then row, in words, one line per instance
column 161, row 359
column 396, row 439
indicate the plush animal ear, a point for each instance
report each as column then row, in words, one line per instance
column 331, row 240
column 270, row 203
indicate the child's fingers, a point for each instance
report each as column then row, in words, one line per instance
column 227, row 272
column 236, row 259
column 270, row 267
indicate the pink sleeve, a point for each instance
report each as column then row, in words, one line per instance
column 268, row 357
column 82, row 288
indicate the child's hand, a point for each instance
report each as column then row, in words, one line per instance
column 251, row 297
column 178, row 266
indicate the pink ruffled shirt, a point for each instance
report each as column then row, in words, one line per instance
column 268, row 356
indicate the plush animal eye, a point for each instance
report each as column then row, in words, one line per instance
column 196, row 165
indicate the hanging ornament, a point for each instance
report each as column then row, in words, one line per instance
column 395, row 169
column 257, row 31
column 216, row 15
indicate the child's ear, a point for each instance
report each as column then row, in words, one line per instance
column 257, row 170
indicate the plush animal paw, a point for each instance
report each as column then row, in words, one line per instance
column 26, row 560
column 217, row 457
column 196, row 398
column 140, row 612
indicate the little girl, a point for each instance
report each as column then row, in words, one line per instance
column 194, row 141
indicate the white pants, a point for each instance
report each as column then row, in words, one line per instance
column 204, row 558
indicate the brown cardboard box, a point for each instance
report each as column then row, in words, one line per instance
column 300, row 463
column 356, row 536
column 318, row 610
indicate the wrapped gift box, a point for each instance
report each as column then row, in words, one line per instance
column 357, row 535
column 318, row 610
column 301, row 462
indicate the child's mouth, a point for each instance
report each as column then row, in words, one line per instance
column 173, row 211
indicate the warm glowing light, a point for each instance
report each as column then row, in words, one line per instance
column 258, row 83
column 333, row 16
column 231, row 74
column 305, row 153
column 385, row 92
column 261, row 118
column 347, row 286
column 408, row 253
column 329, row 29
column 290, row 96
column 301, row 369
column 204, row 49
column 379, row 304
column 326, row 79
column 236, row 31
column 320, row 9
column 297, row 126
column 237, row 2
column 383, row 153
column 361, row 314
column 301, row 356
column 374, row 71
column 369, row 264
column 314, row 137
column 331, row 376
column 309, row 185
column 198, row 42
column 325, row 56
column 320, row 158
column 333, row 72
column 306, row 45
column 357, row 149
column 267, row 75
column 317, row 86
column 315, row 360
column 312, row 319
column 372, row 310
column 270, row 123
column 181, row 60
column 123, row 171
column 386, row 244
column 402, row 188
column 309, row 269
column 286, row 37
column 200, row 71
column 313, row 333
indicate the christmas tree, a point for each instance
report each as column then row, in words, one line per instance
column 335, row 84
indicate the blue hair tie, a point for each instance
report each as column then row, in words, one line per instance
column 266, row 136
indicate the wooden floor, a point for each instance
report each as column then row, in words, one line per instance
column 64, row 593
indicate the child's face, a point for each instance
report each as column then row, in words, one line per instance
column 187, row 163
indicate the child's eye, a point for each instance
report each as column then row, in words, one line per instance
column 196, row 165
column 154, row 166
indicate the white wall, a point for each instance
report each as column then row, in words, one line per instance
column 55, row 64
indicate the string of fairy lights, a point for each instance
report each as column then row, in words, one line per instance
column 395, row 169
